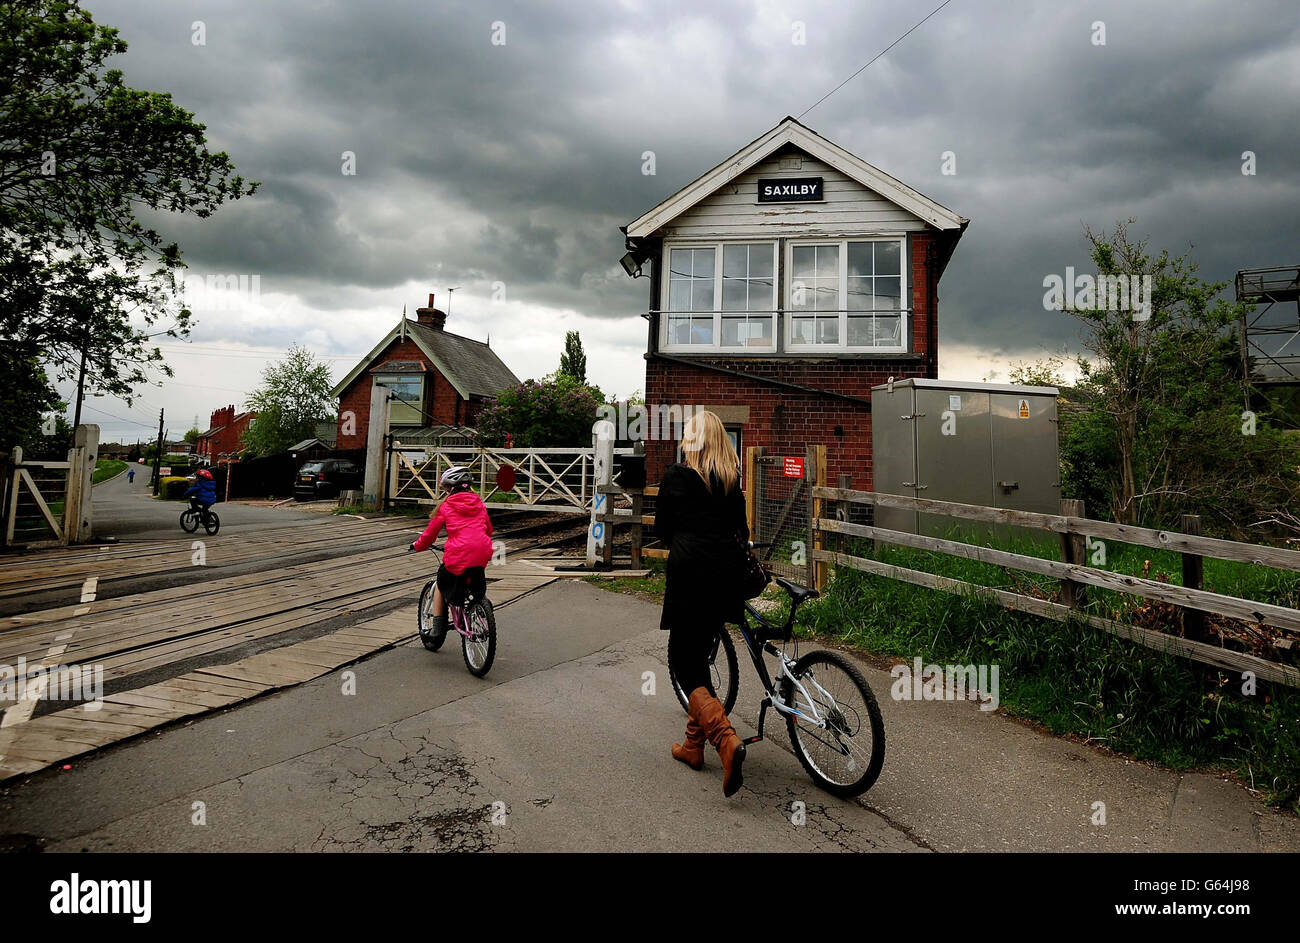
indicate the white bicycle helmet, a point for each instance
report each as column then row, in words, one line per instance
column 457, row 478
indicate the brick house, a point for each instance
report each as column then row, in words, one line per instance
column 223, row 442
column 439, row 379
column 798, row 277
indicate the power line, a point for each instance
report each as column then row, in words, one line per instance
column 104, row 412
column 873, row 59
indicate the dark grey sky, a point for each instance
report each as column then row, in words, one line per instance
column 516, row 164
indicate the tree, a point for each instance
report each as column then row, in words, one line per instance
column 294, row 395
column 554, row 411
column 573, row 362
column 1158, row 424
column 192, row 436
column 82, row 279
column 25, row 396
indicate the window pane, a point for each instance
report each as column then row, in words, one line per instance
column 887, row 258
column 679, row 265
column 860, row 334
column 801, row 264
column 828, row 330
column 679, row 331
column 734, row 295
column 828, row 261
column 760, row 294
column 760, row 260
column 679, row 295
column 733, row 332
column 889, row 331
column 760, row 332
column 701, row 330
column 828, row 294
column 887, row 292
column 801, row 331
column 860, row 258
column 735, row 261
column 859, row 298
column 702, row 294
column 704, row 263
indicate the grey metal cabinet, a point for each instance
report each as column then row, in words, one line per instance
column 973, row 443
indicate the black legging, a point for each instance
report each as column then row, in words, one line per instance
column 688, row 655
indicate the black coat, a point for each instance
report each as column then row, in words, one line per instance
column 705, row 532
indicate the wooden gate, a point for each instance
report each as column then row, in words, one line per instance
column 48, row 503
column 782, row 507
column 556, row 479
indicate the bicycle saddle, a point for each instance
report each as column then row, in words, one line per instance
column 800, row 593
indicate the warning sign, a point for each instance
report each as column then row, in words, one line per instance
column 792, row 467
column 1024, row 409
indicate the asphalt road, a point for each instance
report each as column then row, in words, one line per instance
column 129, row 512
column 559, row 749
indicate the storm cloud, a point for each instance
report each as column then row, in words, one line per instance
column 507, row 169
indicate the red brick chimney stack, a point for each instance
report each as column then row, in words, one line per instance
column 431, row 316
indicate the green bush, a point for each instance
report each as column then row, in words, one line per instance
column 173, row 487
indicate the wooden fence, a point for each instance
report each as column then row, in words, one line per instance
column 1073, row 530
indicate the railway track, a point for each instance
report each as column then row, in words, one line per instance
column 269, row 588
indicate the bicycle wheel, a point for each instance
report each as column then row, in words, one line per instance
column 480, row 646
column 189, row 520
column 212, row 523
column 424, row 619
column 724, row 671
column 845, row 751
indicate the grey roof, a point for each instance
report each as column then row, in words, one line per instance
column 328, row 432
column 306, row 444
column 470, row 365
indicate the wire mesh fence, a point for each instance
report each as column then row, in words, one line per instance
column 782, row 502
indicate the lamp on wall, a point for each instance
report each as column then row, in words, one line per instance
column 631, row 264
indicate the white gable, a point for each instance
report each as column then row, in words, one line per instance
column 858, row 196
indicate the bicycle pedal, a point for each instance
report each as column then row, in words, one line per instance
column 748, row 740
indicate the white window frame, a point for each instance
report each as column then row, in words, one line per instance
column 424, row 390
column 790, row 312
column 718, row 247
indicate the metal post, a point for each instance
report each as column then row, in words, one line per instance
column 157, row 459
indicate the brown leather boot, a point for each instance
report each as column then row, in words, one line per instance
column 718, row 730
column 692, row 751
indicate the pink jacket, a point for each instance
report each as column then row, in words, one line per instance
column 469, row 532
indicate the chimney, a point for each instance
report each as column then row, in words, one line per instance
column 431, row 316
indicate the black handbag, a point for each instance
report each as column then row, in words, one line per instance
column 754, row 576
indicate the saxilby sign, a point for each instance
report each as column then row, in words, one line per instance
column 790, row 190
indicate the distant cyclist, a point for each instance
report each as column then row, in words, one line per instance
column 469, row 543
column 203, row 492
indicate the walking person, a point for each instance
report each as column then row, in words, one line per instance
column 700, row 516
column 130, row 476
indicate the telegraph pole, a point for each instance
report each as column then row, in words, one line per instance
column 157, row 459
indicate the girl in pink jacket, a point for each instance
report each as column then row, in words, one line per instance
column 468, row 548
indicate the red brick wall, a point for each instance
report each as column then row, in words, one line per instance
column 786, row 421
column 356, row 398
column 229, row 439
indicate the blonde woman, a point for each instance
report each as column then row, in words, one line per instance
column 700, row 516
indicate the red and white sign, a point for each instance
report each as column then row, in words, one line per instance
column 792, row 467
column 165, row 470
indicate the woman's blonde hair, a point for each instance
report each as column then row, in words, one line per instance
column 707, row 449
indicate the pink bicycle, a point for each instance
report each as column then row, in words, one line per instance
column 473, row 619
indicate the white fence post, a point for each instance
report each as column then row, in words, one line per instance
column 602, row 441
